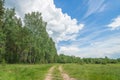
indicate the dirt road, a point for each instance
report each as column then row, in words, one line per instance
column 49, row 75
column 65, row 75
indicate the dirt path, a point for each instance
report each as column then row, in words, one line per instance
column 49, row 75
column 64, row 75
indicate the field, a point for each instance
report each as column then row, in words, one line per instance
column 23, row 72
column 60, row 72
column 93, row 71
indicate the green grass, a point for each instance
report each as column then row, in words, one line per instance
column 57, row 74
column 80, row 72
column 24, row 72
column 93, row 71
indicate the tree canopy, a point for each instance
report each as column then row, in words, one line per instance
column 25, row 44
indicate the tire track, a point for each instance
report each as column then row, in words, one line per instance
column 49, row 75
column 64, row 75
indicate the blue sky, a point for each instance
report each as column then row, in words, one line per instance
column 85, row 28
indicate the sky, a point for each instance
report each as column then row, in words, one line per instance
column 84, row 28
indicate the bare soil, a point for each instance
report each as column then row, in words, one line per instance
column 49, row 75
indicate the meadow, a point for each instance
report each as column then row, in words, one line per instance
column 93, row 71
column 77, row 71
column 23, row 72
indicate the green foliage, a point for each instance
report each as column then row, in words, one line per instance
column 25, row 44
column 68, row 59
column 3, row 62
column 40, row 42
column 11, row 29
column 72, row 59
column 1, row 11
column 2, row 35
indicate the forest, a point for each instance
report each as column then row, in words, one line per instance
column 27, row 41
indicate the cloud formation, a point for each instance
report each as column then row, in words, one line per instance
column 95, row 6
column 106, row 47
column 60, row 26
column 115, row 24
column 69, row 50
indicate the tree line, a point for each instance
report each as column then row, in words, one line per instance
column 28, row 43
column 72, row 59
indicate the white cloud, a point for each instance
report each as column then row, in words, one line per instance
column 60, row 26
column 115, row 23
column 94, row 7
column 106, row 47
column 71, row 50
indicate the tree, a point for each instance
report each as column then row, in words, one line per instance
column 42, row 48
column 2, row 35
column 11, row 28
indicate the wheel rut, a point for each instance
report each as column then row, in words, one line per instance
column 49, row 74
column 65, row 75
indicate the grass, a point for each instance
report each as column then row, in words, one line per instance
column 24, row 72
column 93, row 71
column 57, row 74
column 80, row 72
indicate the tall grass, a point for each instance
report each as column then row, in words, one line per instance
column 93, row 71
column 23, row 72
